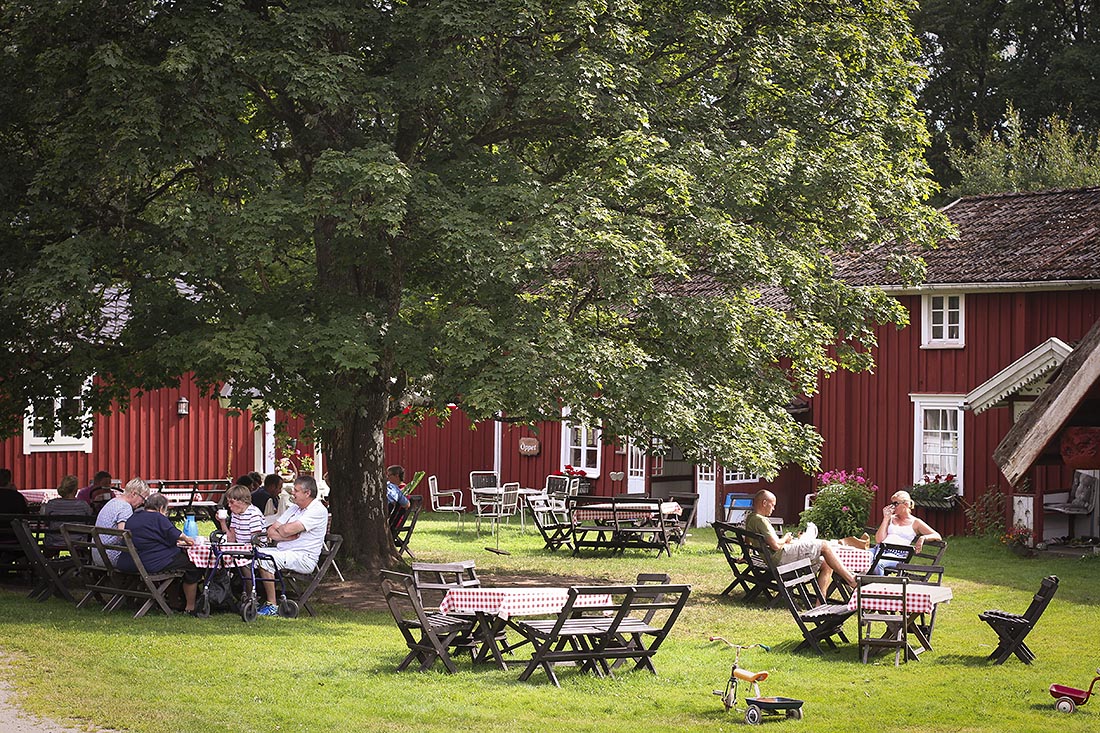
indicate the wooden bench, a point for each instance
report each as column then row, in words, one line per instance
column 617, row 524
column 597, row 637
column 192, row 496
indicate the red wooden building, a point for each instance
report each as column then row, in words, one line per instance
column 1001, row 307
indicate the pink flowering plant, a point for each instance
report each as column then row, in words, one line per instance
column 1018, row 535
column 842, row 503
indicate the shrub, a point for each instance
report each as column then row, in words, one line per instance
column 986, row 516
column 841, row 506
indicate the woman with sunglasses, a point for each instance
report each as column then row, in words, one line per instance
column 900, row 527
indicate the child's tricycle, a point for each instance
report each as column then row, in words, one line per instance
column 757, row 706
column 1066, row 699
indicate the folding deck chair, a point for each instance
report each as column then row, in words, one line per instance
column 1013, row 628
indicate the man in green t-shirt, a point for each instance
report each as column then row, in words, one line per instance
column 787, row 549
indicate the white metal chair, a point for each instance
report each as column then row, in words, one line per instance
column 498, row 507
column 446, row 500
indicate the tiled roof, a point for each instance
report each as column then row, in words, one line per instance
column 1005, row 238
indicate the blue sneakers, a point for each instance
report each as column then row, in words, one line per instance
column 268, row 609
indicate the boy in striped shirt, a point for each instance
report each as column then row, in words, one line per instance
column 245, row 519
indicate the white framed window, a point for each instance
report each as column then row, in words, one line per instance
column 581, row 447
column 943, row 321
column 65, row 436
column 938, row 436
column 657, row 458
column 706, row 472
column 737, row 476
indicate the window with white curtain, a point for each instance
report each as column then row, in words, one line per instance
column 938, row 436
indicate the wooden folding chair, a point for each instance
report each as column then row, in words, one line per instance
column 50, row 572
column 925, row 567
column 1013, row 628
column 556, row 529
column 437, row 632
column 678, row 529
column 818, row 621
column 301, row 586
column 432, row 580
column 894, row 618
column 402, row 534
column 750, row 560
column 139, row 584
column 92, row 576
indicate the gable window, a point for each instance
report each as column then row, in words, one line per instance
column 938, row 431
column 65, row 435
column 581, row 448
column 942, row 320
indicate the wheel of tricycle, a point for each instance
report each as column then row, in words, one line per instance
column 1065, row 705
column 288, row 609
column 202, row 609
column 753, row 715
column 795, row 713
column 249, row 607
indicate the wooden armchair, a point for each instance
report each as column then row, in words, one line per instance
column 750, row 560
column 438, row 633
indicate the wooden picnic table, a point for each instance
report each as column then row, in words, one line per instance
column 620, row 523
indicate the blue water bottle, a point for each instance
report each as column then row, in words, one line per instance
column 189, row 527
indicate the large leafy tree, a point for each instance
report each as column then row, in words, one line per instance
column 356, row 208
column 983, row 55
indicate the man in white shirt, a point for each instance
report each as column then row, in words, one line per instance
column 300, row 534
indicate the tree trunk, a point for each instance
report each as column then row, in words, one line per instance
column 357, row 497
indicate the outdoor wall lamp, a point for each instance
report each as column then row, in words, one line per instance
column 183, row 407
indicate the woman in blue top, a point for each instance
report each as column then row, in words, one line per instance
column 159, row 544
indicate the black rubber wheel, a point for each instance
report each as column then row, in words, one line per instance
column 795, row 713
column 753, row 715
column 202, row 608
column 249, row 607
column 288, row 608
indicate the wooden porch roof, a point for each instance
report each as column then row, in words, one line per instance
column 1042, row 422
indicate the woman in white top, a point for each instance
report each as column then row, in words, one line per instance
column 900, row 527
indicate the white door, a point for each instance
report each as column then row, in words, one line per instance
column 705, row 476
column 635, row 469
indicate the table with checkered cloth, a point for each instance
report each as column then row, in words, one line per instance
column 626, row 511
column 507, row 602
column 203, row 555
column 919, row 598
column 855, row 559
column 39, row 496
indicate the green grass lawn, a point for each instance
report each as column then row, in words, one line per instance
column 335, row 672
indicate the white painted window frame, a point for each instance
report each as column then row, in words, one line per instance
column 928, row 339
column 588, row 434
column 59, row 442
column 737, row 476
column 923, row 402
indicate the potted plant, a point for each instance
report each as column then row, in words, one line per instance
column 1018, row 539
column 936, row 492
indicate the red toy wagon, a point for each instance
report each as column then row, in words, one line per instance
column 1066, row 699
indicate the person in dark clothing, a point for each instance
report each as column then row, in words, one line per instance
column 266, row 498
column 157, row 542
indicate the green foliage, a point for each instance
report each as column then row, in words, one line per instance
column 986, row 516
column 1010, row 159
column 841, row 505
column 983, row 55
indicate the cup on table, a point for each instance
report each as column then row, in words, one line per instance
column 201, row 539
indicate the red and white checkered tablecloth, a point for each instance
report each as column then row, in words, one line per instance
column 508, row 602
column 203, row 555
column 856, row 560
column 919, row 598
column 39, row 496
column 626, row 511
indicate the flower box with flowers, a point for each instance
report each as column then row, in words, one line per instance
column 935, row 492
column 585, row 485
column 1018, row 539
